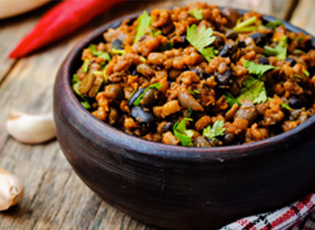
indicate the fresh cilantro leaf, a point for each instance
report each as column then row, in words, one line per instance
column 155, row 32
column 75, row 87
column 189, row 113
column 85, row 104
column 119, row 52
column 269, row 51
column 296, row 76
column 280, row 50
column 274, row 24
column 286, row 106
column 85, row 66
column 254, row 90
column 215, row 131
column 201, row 40
column 144, row 21
column 246, row 26
column 197, row 13
column 93, row 50
column 257, row 69
column 181, row 132
column 105, row 56
column 100, row 54
column 138, row 100
column 298, row 51
column 166, row 46
column 193, row 92
column 143, row 59
column 231, row 100
column 306, row 72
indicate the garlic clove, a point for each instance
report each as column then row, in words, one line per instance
column 31, row 129
column 11, row 190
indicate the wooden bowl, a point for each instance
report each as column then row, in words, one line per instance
column 180, row 187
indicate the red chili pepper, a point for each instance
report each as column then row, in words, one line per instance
column 60, row 21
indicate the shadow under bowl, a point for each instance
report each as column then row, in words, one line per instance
column 180, row 187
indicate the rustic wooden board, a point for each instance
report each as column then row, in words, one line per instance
column 55, row 198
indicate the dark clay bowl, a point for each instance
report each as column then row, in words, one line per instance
column 180, row 187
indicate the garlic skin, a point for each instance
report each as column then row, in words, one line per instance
column 11, row 190
column 31, row 129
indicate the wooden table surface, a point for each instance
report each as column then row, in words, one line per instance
column 55, row 198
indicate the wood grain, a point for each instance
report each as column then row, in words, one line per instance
column 55, row 198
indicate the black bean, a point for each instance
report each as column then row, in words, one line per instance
column 232, row 15
column 219, row 41
column 200, row 73
column 235, row 90
column 225, row 79
column 242, row 44
column 116, row 91
column 297, row 102
column 168, row 127
column 259, row 39
column 150, row 97
column 291, row 60
column 263, row 60
column 202, row 142
column 229, row 138
column 135, row 96
column 133, row 70
column 247, row 111
column 228, row 50
column 182, row 43
column 231, row 34
column 117, row 44
column 143, row 118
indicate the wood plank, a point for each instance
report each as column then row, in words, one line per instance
column 55, row 197
column 304, row 17
column 11, row 32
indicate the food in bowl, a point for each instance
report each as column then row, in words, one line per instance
column 199, row 76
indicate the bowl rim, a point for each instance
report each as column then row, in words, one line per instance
column 157, row 149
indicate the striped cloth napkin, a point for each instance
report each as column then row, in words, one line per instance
column 296, row 216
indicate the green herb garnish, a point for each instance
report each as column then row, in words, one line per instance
column 197, row 13
column 166, row 46
column 286, row 106
column 280, row 50
column 138, row 100
column 298, row 51
column 257, row 69
column 119, row 52
column 193, row 92
column 85, row 66
column 144, row 21
column 254, row 90
column 306, row 72
column 246, row 26
column 181, row 132
column 274, row 24
column 155, row 32
column 231, row 99
column 201, row 40
column 75, row 85
column 99, row 54
column 296, row 76
column 213, row 132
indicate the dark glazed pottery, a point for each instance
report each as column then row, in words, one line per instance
column 179, row 187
